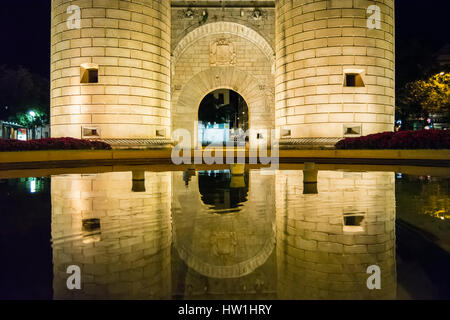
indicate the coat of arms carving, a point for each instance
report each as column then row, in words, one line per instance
column 223, row 53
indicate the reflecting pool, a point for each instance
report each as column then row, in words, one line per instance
column 302, row 232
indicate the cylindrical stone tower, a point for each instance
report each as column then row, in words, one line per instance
column 110, row 69
column 335, row 68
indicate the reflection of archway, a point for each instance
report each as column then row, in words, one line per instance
column 223, row 191
column 184, row 113
column 224, row 246
column 223, row 117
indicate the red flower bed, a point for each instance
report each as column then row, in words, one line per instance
column 52, row 144
column 421, row 139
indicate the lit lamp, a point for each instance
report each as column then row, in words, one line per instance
column 32, row 114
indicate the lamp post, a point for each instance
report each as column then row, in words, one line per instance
column 32, row 114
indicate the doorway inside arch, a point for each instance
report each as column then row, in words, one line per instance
column 223, row 118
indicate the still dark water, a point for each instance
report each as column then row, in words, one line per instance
column 213, row 235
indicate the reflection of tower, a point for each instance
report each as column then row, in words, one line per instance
column 228, row 254
column 120, row 239
column 326, row 242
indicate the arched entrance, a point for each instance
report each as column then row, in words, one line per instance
column 222, row 118
column 222, row 55
column 185, row 108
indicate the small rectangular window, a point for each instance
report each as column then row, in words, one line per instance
column 89, row 73
column 285, row 133
column 353, row 80
column 161, row 133
column 350, row 80
column 352, row 130
column 93, row 75
column 90, row 132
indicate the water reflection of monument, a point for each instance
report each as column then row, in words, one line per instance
column 326, row 241
column 116, row 227
column 293, row 235
column 221, row 190
column 224, row 253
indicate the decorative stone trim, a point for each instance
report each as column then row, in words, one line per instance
column 137, row 143
column 309, row 143
column 224, row 28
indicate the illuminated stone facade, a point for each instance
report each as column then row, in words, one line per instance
column 119, row 238
column 163, row 235
column 317, row 44
column 129, row 43
column 310, row 69
column 228, row 247
column 326, row 240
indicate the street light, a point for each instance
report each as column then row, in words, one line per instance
column 32, row 114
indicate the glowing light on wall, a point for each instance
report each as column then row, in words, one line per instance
column 33, row 185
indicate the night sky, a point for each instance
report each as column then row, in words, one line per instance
column 25, row 30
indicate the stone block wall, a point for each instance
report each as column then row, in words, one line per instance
column 129, row 42
column 196, row 71
column 317, row 43
column 287, row 58
column 128, row 257
column 318, row 255
column 224, row 249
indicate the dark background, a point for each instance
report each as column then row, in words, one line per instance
column 422, row 29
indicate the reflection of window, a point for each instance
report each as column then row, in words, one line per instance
column 353, row 222
column 285, row 133
column 91, row 231
column 161, row 133
column 223, row 191
column 91, row 225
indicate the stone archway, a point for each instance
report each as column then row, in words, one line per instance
column 185, row 109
